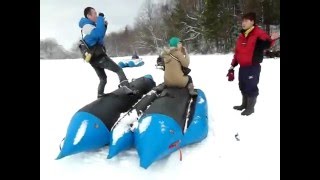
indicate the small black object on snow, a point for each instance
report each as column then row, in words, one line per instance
column 236, row 136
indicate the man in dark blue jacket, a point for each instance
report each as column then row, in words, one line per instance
column 94, row 28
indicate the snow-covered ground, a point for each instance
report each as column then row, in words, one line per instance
column 68, row 85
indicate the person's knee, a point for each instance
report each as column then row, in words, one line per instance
column 117, row 69
column 112, row 66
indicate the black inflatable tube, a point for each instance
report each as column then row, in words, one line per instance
column 109, row 107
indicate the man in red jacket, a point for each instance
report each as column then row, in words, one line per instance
column 249, row 54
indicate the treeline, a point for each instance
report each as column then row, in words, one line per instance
column 50, row 49
column 206, row 26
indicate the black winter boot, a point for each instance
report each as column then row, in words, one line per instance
column 123, row 79
column 251, row 102
column 124, row 83
column 243, row 105
column 126, row 89
column 101, row 95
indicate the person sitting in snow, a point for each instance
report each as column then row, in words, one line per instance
column 94, row 28
column 135, row 55
column 249, row 54
column 176, row 58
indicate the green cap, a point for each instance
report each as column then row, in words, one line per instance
column 173, row 42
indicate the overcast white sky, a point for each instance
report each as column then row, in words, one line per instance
column 59, row 18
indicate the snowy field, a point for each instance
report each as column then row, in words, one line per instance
column 68, row 85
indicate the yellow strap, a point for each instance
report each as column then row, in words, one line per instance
column 246, row 33
column 88, row 57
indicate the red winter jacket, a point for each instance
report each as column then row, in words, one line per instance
column 249, row 50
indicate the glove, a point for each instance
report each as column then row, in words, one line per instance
column 230, row 75
column 105, row 23
column 101, row 14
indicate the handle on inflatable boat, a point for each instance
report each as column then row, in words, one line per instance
column 188, row 115
column 61, row 143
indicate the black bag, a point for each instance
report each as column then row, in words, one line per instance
column 95, row 52
column 91, row 53
column 85, row 51
column 185, row 70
